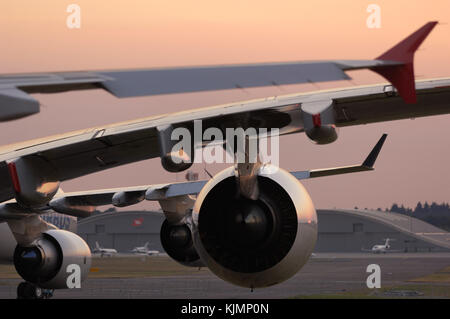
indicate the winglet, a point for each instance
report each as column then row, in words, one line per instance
column 372, row 157
column 402, row 76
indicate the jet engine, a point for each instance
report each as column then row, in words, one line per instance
column 176, row 240
column 45, row 263
column 254, row 243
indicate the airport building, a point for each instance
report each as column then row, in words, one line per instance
column 359, row 230
column 122, row 231
column 339, row 231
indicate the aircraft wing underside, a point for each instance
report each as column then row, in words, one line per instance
column 79, row 153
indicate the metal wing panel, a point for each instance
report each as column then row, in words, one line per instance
column 138, row 82
column 97, row 155
column 384, row 104
column 14, row 88
column 15, row 104
column 396, row 65
column 88, row 151
column 353, row 106
column 168, row 81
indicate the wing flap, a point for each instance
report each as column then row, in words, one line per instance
column 211, row 78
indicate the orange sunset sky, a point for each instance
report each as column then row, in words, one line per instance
column 115, row 34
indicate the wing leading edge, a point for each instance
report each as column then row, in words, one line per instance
column 396, row 65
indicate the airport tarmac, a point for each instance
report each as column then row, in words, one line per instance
column 325, row 275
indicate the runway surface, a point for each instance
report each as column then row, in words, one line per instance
column 324, row 274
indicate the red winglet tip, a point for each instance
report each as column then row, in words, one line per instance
column 402, row 76
column 404, row 50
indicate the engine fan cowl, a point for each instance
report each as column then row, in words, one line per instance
column 325, row 134
column 177, row 243
column 46, row 262
column 254, row 243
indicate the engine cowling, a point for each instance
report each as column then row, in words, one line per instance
column 254, row 243
column 324, row 134
column 176, row 240
column 176, row 162
column 45, row 262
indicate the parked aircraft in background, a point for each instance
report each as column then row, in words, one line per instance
column 382, row 249
column 144, row 250
column 104, row 251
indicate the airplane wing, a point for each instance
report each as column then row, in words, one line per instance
column 87, row 151
column 15, row 101
column 80, row 153
column 81, row 204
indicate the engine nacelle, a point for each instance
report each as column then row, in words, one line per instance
column 323, row 135
column 319, row 121
column 46, row 262
column 176, row 162
column 174, row 158
column 254, row 243
column 177, row 242
column 34, row 180
column 127, row 198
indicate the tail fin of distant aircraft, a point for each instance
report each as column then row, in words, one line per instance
column 97, row 245
column 387, row 242
column 402, row 75
column 146, row 245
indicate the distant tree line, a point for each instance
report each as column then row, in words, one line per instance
column 435, row 214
